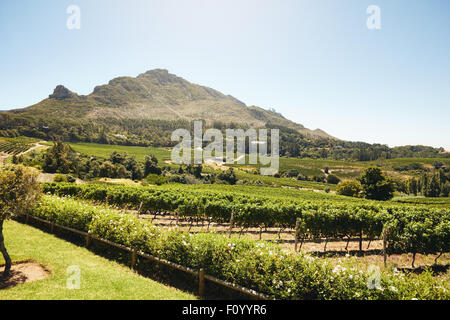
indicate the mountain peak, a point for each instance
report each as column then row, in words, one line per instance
column 157, row 71
column 61, row 93
column 162, row 76
column 160, row 95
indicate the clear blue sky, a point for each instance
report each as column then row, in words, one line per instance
column 314, row 61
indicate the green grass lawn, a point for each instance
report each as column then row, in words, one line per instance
column 100, row 278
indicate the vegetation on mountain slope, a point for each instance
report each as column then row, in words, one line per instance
column 145, row 110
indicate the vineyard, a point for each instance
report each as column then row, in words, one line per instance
column 257, row 265
column 408, row 229
column 14, row 146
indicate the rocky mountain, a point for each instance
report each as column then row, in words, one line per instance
column 157, row 94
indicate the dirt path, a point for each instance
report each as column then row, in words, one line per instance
column 35, row 146
column 3, row 157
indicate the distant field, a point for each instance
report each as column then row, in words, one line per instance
column 104, row 150
column 442, row 201
column 308, row 167
column 347, row 169
column 284, row 182
column 100, row 278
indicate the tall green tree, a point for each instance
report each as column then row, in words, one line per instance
column 413, row 186
column 60, row 159
column 433, row 186
column 151, row 165
column 19, row 191
column 376, row 185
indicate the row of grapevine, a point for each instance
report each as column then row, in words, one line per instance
column 318, row 219
column 257, row 265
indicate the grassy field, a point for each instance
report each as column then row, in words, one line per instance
column 100, row 278
column 104, row 150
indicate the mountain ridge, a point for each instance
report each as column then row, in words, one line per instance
column 158, row 94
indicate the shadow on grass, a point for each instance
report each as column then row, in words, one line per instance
column 436, row 268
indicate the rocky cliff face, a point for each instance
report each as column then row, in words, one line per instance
column 61, row 93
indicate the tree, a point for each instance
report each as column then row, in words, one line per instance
column 19, row 191
column 446, row 189
column 107, row 170
column 198, row 171
column 151, row 165
column 60, row 159
column 413, row 186
column 118, row 158
column 135, row 168
column 228, row 176
column 437, row 164
column 375, row 185
column 433, row 186
column 349, row 188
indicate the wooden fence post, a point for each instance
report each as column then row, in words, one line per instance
column 360, row 242
column 201, row 283
column 384, row 247
column 133, row 258
column 231, row 223
column 88, row 240
column 297, row 225
column 27, row 218
column 52, row 227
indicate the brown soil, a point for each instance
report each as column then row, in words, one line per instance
column 24, row 272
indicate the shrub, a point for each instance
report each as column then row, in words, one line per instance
column 156, row 179
column 349, row 188
column 320, row 178
column 332, row 179
column 60, row 178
